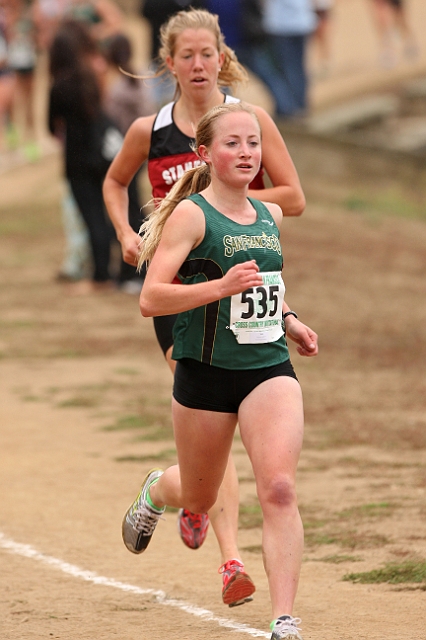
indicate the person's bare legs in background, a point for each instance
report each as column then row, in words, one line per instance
column 391, row 22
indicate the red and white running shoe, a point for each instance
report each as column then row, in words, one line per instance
column 192, row 528
column 238, row 587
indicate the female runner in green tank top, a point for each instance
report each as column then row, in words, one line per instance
column 193, row 50
column 232, row 359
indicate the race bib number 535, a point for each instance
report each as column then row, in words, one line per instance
column 256, row 313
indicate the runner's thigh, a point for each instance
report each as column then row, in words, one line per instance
column 271, row 426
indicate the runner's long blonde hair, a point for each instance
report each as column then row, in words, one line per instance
column 193, row 181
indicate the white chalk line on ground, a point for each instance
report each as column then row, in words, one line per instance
column 27, row 551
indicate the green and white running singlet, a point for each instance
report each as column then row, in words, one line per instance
column 243, row 331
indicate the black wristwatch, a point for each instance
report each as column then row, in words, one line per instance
column 289, row 313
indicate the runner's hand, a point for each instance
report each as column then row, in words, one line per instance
column 241, row 277
column 130, row 247
column 303, row 336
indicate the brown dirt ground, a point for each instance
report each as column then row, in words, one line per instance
column 85, row 412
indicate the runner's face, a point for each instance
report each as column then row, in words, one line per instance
column 196, row 62
column 235, row 154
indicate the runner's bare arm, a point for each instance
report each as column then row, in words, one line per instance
column 183, row 231
column 132, row 155
column 286, row 190
column 301, row 334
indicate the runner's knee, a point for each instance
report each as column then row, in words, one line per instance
column 280, row 492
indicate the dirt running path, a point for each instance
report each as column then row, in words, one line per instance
column 85, row 412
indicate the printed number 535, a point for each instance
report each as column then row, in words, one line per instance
column 258, row 302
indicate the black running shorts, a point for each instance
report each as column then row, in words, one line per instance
column 200, row 386
column 163, row 326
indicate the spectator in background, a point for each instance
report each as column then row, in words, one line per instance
column 252, row 49
column 7, row 79
column 47, row 16
column 76, row 265
column 288, row 25
column 127, row 97
column 321, row 36
column 90, row 139
column 230, row 13
column 391, row 21
column 22, row 59
column 103, row 18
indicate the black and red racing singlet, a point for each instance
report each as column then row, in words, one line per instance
column 170, row 154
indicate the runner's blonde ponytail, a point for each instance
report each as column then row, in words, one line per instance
column 193, row 181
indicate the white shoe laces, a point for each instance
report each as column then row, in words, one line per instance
column 288, row 628
column 145, row 520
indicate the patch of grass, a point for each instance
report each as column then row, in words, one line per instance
column 148, row 428
column 373, row 510
column 79, row 402
column 367, row 465
column 250, row 516
column 253, row 548
column 156, row 433
column 129, row 423
column 410, row 571
column 18, row 324
column 86, row 396
column 345, row 539
column 53, row 390
column 127, row 371
column 316, row 467
column 355, row 203
column 315, row 539
column 65, row 353
column 320, row 532
column 242, row 479
column 313, row 524
column 360, row 540
column 163, row 455
column 339, row 559
column 387, row 202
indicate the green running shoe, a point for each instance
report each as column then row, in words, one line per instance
column 141, row 518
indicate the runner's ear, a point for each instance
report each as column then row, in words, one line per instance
column 204, row 154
